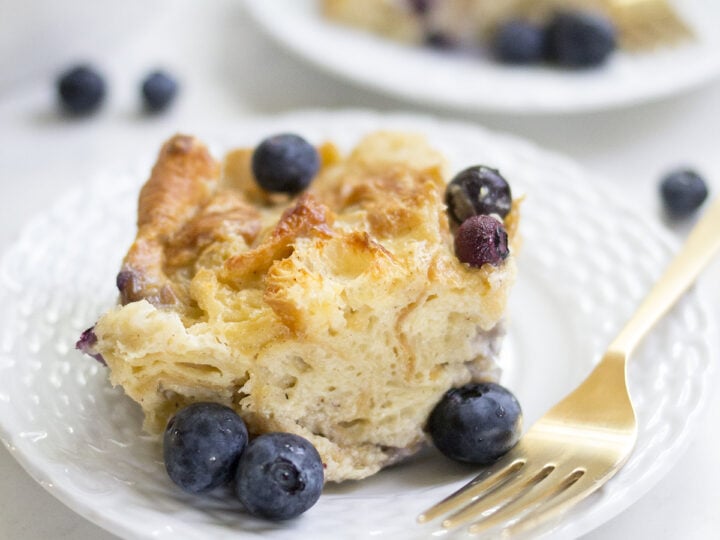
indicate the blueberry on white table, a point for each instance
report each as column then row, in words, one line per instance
column 81, row 90
column 159, row 90
column 683, row 191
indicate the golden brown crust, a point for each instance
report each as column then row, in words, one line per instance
column 306, row 217
column 182, row 179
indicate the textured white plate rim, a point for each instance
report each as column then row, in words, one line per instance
column 32, row 460
column 321, row 44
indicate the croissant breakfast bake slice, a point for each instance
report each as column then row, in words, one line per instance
column 341, row 313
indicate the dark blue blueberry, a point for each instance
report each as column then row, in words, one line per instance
column 81, row 90
column 477, row 423
column 285, row 163
column 158, row 91
column 683, row 191
column 420, row 7
column 475, row 191
column 280, row 476
column 440, row 40
column 519, row 42
column 87, row 342
column 481, row 240
column 202, row 445
column 580, row 40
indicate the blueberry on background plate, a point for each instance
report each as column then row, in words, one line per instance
column 158, row 91
column 519, row 42
column 202, row 445
column 279, row 476
column 481, row 240
column 81, row 90
column 580, row 39
column 285, row 163
column 683, row 191
column 440, row 41
column 477, row 423
column 477, row 190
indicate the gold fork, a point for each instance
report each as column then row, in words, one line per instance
column 647, row 24
column 583, row 440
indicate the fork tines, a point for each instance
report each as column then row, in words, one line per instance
column 511, row 495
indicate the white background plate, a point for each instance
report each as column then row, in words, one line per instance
column 479, row 84
column 586, row 262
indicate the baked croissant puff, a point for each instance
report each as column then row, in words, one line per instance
column 340, row 314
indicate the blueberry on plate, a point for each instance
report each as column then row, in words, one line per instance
column 580, row 39
column 158, row 91
column 87, row 342
column 202, row 445
column 279, row 476
column 477, row 190
column 683, row 191
column 481, row 240
column 420, row 7
column 81, row 90
column 285, row 163
column 477, row 423
column 519, row 42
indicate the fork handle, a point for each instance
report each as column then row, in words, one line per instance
column 702, row 244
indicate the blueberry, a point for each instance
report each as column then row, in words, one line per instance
column 285, row 163
column 420, row 7
column 481, row 240
column 519, row 42
column 580, row 40
column 683, row 191
column 440, row 41
column 87, row 342
column 477, row 423
column 81, row 90
column 477, row 190
column 158, row 91
column 280, row 476
column 202, row 445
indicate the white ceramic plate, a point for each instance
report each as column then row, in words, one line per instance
column 586, row 261
column 476, row 84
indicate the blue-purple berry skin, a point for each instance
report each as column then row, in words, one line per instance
column 81, row 90
column 85, row 345
column 159, row 90
column 475, row 191
column 683, row 191
column 279, row 476
column 481, row 240
column 477, row 423
column 202, row 445
column 420, row 7
column 285, row 163
column 440, row 41
column 580, row 40
column 519, row 42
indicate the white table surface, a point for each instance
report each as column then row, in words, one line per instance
column 229, row 70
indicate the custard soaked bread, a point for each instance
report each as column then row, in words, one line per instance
column 453, row 21
column 340, row 314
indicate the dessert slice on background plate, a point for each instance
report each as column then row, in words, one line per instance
column 469, row 81
column 340, row 314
